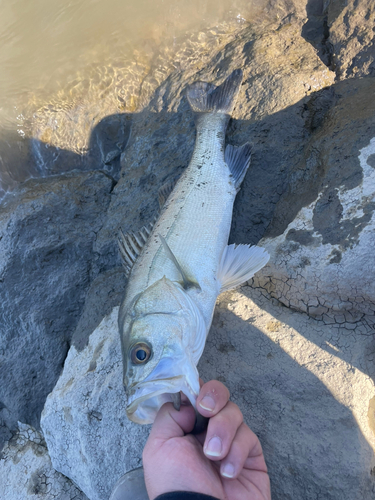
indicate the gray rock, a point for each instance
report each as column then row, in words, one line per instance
column 46, row 238
column 282, row 75
column 89, row 437
column 292, row 377
column 105, row 292
column 303, row 378
column 323, row 231
column 26, row 470
column 350, row 25
column 303, row 389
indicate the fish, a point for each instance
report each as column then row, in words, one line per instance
column 178, row 264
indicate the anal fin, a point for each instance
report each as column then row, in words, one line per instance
column 239, row 263
column 238, row 160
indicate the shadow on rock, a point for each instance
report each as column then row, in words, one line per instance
column 25, row 158
column 293, row 398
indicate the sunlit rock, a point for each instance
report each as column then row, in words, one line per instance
column 89, row 437
column 350, row 26
column 26, row 470
column 303, row 392
column 322, row 236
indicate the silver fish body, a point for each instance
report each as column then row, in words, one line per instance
column 185, row 263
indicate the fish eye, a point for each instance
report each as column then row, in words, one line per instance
column 140, row 353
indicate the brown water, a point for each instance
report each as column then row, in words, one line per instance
column 66, row 65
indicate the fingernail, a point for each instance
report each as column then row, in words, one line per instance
column 228, row 470
column 213, row 447
column 207, row 403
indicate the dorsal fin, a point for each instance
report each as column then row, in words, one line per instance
column 239, row 263
column 166, row 190
column 238, row 160
column 131, row 244
column 187, row 283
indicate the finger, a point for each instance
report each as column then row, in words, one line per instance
column 245, row 450
column 170, row 423
column 255, row 460
column 212, row 398
column 221, row 431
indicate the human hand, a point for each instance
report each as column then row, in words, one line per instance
column 226, row 461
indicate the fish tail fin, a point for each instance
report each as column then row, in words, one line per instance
column 206, row 97
column 238, row 160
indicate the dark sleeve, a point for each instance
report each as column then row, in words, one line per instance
column 184, row 495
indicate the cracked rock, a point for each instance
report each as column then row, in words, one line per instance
column 26, row 470
column 333, row 233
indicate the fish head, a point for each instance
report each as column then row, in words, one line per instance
column 162, row 337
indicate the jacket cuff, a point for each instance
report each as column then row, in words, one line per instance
column 184, row 495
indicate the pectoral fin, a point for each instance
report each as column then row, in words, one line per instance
column 239, row 263
column 187, row 282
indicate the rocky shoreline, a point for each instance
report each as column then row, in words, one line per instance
column 296, row 346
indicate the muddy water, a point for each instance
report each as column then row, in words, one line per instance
column 65, row 66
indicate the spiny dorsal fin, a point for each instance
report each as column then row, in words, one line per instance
column 187, row 283
column 238, row 160
column 239, row 263
column 166, row 190
column 131, row 244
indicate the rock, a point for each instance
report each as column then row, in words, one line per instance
column 282, row 74
column 294, row 378
column 324, row 223
column 26, row 470
column 351, row 37
column 303, row 388
column 105, row 292
column 302, row 375
column 46, row 238
column 89, row 437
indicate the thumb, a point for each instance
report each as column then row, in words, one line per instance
column 170, row 423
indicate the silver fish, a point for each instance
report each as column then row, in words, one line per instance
column 179, row 265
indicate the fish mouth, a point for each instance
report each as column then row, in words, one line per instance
column 146, row 398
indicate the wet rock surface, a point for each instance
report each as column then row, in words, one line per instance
column 297, row 349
